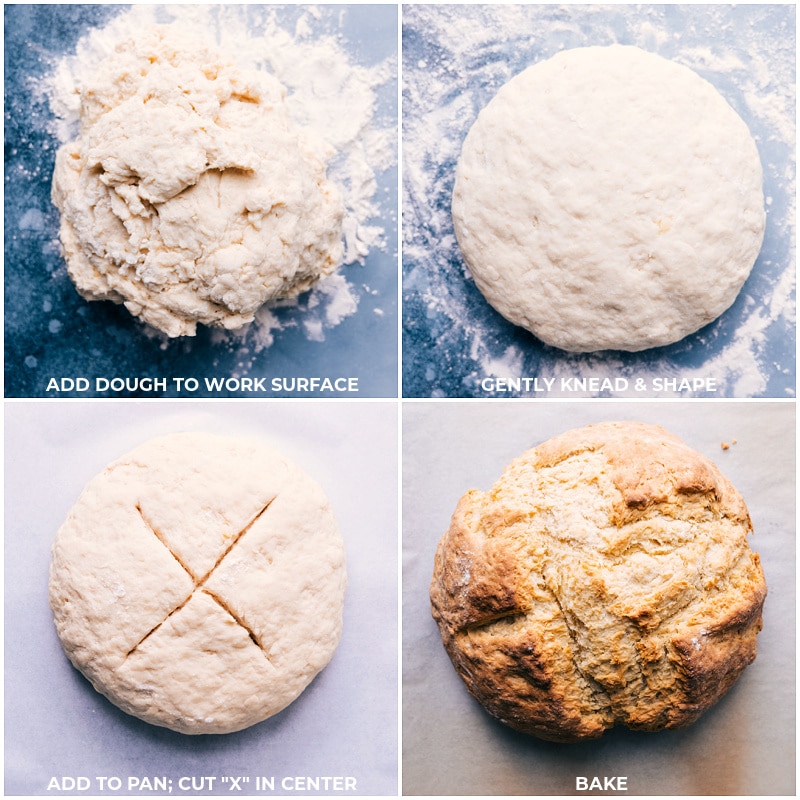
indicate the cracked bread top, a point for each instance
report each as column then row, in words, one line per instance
column 198, row 582
column 605, row 579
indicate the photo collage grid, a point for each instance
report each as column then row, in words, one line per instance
column 399, row 400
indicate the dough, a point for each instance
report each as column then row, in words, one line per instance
column 189, row 195
column 609, row 199
column 198, row 583
column 606, row 579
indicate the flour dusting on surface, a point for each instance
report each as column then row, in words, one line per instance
column 455, row 58
column 329, row 95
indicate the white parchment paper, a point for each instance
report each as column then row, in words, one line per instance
column 745, row 745
column 56, row 725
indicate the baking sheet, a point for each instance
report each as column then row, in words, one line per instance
column 455, row 58
column 745, row 745
column 345, row 723
column 51, row 332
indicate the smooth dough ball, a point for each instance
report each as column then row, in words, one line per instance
column 189, row 195
column 198, row 583
column 609, row 199
column 606, row 579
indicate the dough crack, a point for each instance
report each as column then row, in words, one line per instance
column 487, row 623
column 157, row 533
column 199, row 582
column 250, row 632
column 598, row 692
column 236, row 539
column 156, row 627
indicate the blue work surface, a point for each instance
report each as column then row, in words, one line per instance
column 51, row 332
column 455, row 58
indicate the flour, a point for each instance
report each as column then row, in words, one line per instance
column 455, row 60
column 310, row 56
column 189, row 195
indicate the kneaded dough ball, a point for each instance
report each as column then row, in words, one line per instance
column 198, row 583
column 609, row 199
column 189, row 195
column 605, row 580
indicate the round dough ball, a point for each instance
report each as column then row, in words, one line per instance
column 609, row 199
column 189, row 195
column 198, row 583
column 605, row 580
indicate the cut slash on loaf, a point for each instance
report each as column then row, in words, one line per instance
column 606, row 579
column 198, row 582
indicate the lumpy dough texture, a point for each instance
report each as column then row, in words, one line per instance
column 189, row 195
column 198, row 582
column 609, row 199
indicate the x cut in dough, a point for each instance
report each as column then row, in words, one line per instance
column 609, row 199
column 198, row 583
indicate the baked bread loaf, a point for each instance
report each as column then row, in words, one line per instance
column 606, row 579
column 198, row 582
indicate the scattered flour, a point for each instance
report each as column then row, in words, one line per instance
column 456, row 57
column 328, row 94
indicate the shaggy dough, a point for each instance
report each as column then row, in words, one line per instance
column 198, row 583
column 609, row 199
column 605, row 579
column 189, row 195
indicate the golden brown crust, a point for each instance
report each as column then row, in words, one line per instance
column 605, row 579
